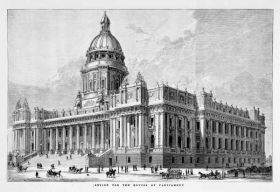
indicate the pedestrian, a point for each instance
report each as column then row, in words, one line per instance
column 244, row 173
column 67, row 157
column 144, row 166
column 37, row 174
column 118, row 169
column 101, row 167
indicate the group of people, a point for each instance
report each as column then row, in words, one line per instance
column 189, row 171
column 154, row 169
column 125, row 168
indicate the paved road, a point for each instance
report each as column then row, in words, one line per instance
column 132, row 176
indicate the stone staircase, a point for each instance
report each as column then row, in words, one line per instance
column 76, row 160
column 101, row 158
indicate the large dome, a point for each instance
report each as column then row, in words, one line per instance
column 105, row 41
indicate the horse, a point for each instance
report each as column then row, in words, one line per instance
column 203, row 175
column 164, row 175
column 53, row 173
column 111, row 173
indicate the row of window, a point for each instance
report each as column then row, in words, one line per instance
column 229, row 144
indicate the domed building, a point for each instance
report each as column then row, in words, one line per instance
column 120, row 123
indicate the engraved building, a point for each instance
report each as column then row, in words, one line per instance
column 121, row 123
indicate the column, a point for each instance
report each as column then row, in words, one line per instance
column 156, row 136
column 93, row 140
column 176, row 131
column 162, row 128
column 51, row 139
column 121, row 131
column 111, row 133
column 63, row 138
column 102, row 136
column 136, row 130
column 45, row 139
column 56, row 139
column 70, row 139
column 125, row 131
column 85, row 137
column 128, row 132
column 114, row 133
column 202, row 131
column 167, row 130
column 77, row 137
column 141, row 131
column 24, row 140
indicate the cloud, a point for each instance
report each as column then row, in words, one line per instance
column 136, row 29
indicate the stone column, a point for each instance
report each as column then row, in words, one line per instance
column 176, row 131
column 136, row 130
column 167, row 130
column 121, row 132
column 24, row 140
column 156, row 136
column 111, row 132
column 51, row 140
column 140, row 130
column 63, row 139
column 128, row 132
column 162, row 128
column 85, row 137
column 125, row 131
column 114, row 134
column 77, row 137
column 93, row 139
column 70, row 139
column 56, row 139
column 202, row 131
column 102, row 136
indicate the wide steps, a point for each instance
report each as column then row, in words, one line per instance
column 53, row 159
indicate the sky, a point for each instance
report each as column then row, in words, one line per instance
column 226, row 51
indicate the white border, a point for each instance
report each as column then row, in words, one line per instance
column 143, row 4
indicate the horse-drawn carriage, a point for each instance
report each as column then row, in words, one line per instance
column 51, row 173
column 211, row 175
column 74, row 169
column 172, row 174
column 39, row 166
column 21, row 168
column 111, row 173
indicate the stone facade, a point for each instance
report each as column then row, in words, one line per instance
column 119, row 123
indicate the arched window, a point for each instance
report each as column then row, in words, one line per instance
column 152, row 141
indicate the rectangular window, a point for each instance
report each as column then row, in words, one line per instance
column 173, row 159
column 188, row 124
column 66, row 132
column 183, row 160
column 213, row 143
column 116, row 158
column 59, row 133
column 152, row 121
column 150, row 159
column 180, row 123
column 128, row 159
column 191, row 160
column 197, row 126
